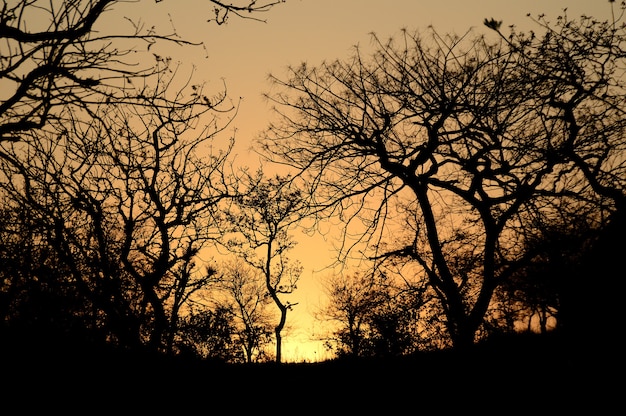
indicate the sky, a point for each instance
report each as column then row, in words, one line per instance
column 242, row 53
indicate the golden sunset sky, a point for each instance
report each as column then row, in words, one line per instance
column 242, row 53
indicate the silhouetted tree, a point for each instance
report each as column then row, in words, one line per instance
column 374, row 315
column 538, row 291
column 53, row 59
column 210, row 335
column 467, row 142
column 127, row 203
column 242, row 290
column 261, row 219
column 596, row 310
column 37, row 304
column 187, row 282
column 97, row 145
column 351, row 301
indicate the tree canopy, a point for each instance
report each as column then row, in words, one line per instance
column 461, row 147
column 110, row 172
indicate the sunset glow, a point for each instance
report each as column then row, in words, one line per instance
column 225, row 82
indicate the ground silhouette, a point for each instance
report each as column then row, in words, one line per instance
column 512, row 375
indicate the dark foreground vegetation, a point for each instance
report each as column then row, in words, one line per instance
column 544, row 374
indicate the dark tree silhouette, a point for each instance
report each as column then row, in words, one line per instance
column 375, row 315
column 210, row 334
column 37, row 303
column 54, row 62
column 465, row 141
column 126, row 204
column 262, row 218
column 241, row 289
column 352, row 299
column 99, row 143
column 538, row 292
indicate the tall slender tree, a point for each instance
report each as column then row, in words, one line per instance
column 262, row 220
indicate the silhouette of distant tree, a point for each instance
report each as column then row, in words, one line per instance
column 467, row 142
column 538, row 292
column 37, row 303
column 592, row 312
column 241, row 289
column 210, row 335
column 573, row 279
column 373, row 316
column 351, row 300
column 262, row 217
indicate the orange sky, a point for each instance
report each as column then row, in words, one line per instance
column 244, row 52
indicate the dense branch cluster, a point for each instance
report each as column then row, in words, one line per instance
column 463, row 148
column 112, row 177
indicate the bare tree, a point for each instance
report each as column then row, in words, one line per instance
column 242, row 290
column 351, row 301
column 375, row 315
column 53, row 58
column 128, row 203
column 96, row 141
column 262, row 218
column 458, row 146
